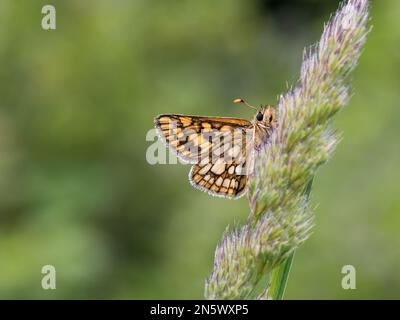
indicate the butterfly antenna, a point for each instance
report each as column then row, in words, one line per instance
column 240, row 100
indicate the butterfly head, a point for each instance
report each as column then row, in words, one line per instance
column 265, row 117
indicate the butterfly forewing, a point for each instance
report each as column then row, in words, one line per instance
column 217, row 146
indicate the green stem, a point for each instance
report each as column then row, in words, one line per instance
column 280, row 274
column 279, row 279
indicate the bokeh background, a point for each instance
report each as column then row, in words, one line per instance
column 77, row 102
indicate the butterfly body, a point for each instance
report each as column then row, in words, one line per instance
column 221, row 149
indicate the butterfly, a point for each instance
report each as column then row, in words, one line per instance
column 221, row 149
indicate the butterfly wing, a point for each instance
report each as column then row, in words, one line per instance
column 217, row 146
column 223, row 183
column 193, row 137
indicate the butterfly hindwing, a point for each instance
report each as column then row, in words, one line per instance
column 219, row 179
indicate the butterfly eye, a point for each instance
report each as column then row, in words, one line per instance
column 259, row 116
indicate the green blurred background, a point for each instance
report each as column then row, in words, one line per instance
column 76, row 103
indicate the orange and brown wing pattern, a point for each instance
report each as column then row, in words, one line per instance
column 193, row 138
column 217, row 146
column 219, row 179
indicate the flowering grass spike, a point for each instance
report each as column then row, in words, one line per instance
column 281, row 217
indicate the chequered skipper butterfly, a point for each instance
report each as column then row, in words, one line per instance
column 221, row 149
